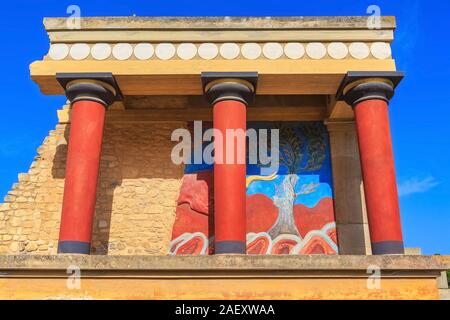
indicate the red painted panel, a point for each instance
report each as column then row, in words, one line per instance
column 261, row 213
column 310, row 219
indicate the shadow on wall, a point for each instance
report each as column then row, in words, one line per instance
column 137, row 188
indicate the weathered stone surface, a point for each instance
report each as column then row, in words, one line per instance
column 444, row 294
column 443, row 280
column 30, row 247
column 342, row 22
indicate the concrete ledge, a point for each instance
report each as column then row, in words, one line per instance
column 443, row 259
column 95, row 23
column 226, row 262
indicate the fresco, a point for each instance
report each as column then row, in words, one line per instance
column 289, row 211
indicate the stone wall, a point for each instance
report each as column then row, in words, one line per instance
column 136, row 195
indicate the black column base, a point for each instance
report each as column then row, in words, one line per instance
column 388, row 247
column 230, row 247
column 75, row 247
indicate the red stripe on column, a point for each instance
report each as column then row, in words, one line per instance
column 377, row 162
column 82, row 168
column 229, row 182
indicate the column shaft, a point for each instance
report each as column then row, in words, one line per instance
column 377, row 164
column 229, row 181
column 82, row 169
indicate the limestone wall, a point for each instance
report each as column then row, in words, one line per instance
column 136, row 198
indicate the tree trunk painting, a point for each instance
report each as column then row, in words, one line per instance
column 284, row 201
column 294, row 148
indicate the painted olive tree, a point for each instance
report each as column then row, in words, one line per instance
column 302, row 150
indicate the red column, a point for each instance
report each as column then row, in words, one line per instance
column 83, row 160
column 229, row 181
column 377, row 163
column 229, row 93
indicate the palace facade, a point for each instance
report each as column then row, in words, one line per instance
column 105, row 202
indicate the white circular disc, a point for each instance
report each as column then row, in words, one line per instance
column 294, row 50
column 58, row 51
column 359, row 50
column 122, row 51
column 337, row 50
column 316, row 50
column 229, row 51
column 143, row 51
column 272, row 50
column 208, row 51
column 79, row 51
column 251, row 50
column 165, row 51
column 381, row 50
column 186, row 51
column 101, row 51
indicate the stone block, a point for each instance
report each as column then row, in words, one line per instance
column 353, row 239
column 444, row 294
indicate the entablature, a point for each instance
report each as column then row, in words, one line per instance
column 156, row 56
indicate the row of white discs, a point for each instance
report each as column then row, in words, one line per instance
column 208, row 51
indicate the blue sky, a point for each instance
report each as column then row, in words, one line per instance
column 419, row 112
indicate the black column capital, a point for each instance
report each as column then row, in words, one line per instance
column 238, row 86
column 361, row 86
column 98, row 87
